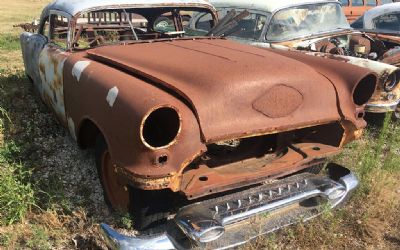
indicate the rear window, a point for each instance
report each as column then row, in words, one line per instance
column 389, row 22
column 371, row 3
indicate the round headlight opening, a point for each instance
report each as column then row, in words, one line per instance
column 161, row 127
column 364, row 90
column 391, row 82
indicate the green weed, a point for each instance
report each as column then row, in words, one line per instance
column 9, row 42
column 17, row 195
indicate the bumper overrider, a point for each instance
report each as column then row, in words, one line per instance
column 237, row 218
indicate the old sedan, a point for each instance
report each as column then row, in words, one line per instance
column 194, row 134
column 318, row 28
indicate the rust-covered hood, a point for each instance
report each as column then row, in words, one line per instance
column 235, row 90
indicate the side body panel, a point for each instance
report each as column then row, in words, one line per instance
column 51, row 64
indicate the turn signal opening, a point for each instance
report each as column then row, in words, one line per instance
column 161, row 127
column 364, row 90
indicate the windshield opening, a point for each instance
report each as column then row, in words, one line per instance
column 129, row 25
column 250, row 26
column 306, row 20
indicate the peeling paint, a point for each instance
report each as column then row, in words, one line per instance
column 78, row 68
column 112, row 96
column 51, row 66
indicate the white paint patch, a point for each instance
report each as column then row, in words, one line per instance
column 71, row 127
column 78, row 68
column 112, row 96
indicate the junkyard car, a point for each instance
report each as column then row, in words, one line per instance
column 355, row 8
column 318, row 28
column 382, row 23
column 194, row 134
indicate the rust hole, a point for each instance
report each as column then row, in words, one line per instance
column 161, row 127
column 203, row 178
column 316, row 148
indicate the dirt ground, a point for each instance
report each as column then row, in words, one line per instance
column 60, row 204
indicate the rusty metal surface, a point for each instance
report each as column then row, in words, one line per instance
column 221, row 83
column 212, row 100
column 222, row 92
column 379, row 54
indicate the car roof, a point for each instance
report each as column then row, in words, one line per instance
column 264, row 5
column 377, row 11
column 74, row 7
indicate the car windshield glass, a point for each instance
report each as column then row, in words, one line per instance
column 130, row 25
column 306, row 20
column 248, row 27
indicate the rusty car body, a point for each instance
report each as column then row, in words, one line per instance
column 315, row 27
column 194, row 134
column 353, row 9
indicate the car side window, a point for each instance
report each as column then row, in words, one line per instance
column 357, row 2
column 59, row 30
column 389, row 21
column 344, row 2
column 371, row 3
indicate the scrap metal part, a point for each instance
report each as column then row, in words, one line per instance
column 235, row 219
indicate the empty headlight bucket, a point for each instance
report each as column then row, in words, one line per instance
column 160, row 127
column 391, row 81
column 364, row 90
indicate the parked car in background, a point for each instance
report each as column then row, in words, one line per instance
column 195, row 135
column 317, row 28
column 355, row 8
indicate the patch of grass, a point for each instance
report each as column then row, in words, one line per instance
column 17, row 195
column 126, row 221
column 39, row 238
column 9, row 42
column 5, row 239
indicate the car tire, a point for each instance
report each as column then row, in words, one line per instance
column 116, row 196
column 146, row 207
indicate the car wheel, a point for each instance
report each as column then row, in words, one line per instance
column 148, row 208
column 115, row 195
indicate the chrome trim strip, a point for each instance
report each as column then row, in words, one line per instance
column 381, row 108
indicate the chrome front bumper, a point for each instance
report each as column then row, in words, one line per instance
column 382, row 108
column 235, row 219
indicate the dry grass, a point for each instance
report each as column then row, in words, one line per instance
column 370, row 221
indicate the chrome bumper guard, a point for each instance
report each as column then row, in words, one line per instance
column 382, row 108
column 237, row 218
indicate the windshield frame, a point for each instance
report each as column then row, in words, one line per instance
column 269, row 23
column 73, row 21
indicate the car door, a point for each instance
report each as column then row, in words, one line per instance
column 51, row 63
